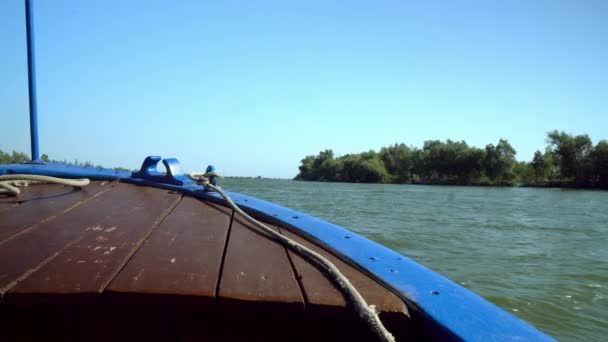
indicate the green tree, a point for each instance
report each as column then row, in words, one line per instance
column 499, row 161
column 572, row 154
column 19, row 157
column 541, row 168
column 323, row 166
column 306, row 169
column 398, row 162
column 600, row 164
column 438, row 158
column 4, row 157
column 369, row 169
column 524, row 173
column 418, row 165
column 568, row 160
column 469, row 165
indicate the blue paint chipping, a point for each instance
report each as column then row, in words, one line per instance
column 447, row 309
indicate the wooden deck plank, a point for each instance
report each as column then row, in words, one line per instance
column 322, row 294
column 4, row 206
column 323, row 297
column 78, row 251
column 37, row 191
column 83, row 269
column 180, row 261
column 7, row 201
column 27, row 250
column 257, row 272
column 42, row 202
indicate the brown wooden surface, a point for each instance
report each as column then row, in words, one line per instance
column 7, row 205
column 183, row 257
column 257, row 271
column 41, row 191
column 42, row 202
column 146, row 259
column 81, row 270
column 21, row 255
column 322, row 294
column 324, row 298
column 7, row 201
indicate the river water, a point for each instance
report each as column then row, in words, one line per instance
column 540, row 254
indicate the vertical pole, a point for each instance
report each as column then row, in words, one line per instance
column 31, row 77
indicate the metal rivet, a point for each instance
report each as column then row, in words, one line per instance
column 372, row 258
column 347, row 237
column 435, row 292
column 392, row 270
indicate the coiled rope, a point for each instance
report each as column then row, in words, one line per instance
column 366, row 312
column 10, row 183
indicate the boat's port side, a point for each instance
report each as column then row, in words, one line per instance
column 117, row 261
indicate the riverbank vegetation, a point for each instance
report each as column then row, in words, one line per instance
column 568, row 161
column 19, row 157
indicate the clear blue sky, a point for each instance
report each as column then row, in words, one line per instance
column 254, row 86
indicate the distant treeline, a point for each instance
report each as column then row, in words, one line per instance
column 19, row 157
column 568, row 161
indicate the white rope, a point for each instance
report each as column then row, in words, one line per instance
column 9, row 183
column 365, row 311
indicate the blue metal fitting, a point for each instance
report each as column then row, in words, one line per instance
column 150, row 172
column 212, row 178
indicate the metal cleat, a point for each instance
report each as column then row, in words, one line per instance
column 174, row 175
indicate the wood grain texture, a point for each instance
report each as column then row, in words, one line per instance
column 40, row 191
column 43, row 202
column 324, row 299
column 5, row 206
column 181, row 261
column 321, row 293
column 257, row 272
column 73, row 256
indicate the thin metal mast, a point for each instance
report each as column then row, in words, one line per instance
column 31, row 77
